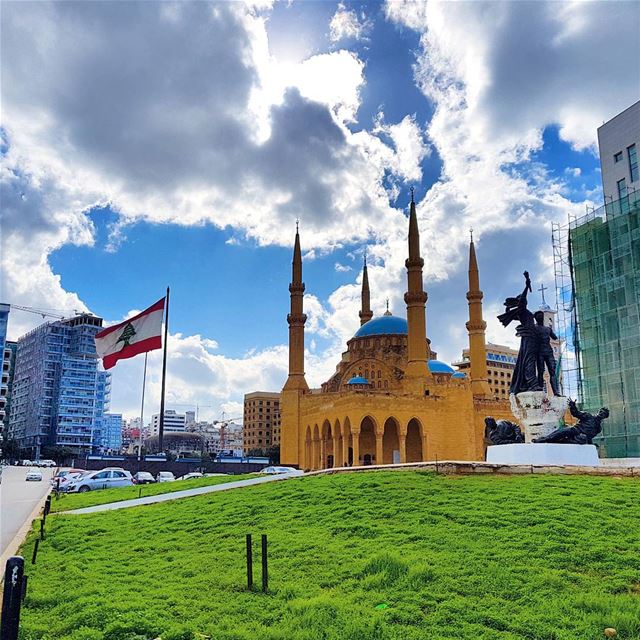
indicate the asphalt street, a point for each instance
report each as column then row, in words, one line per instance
column 18, row 498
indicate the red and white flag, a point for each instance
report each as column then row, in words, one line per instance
column 131, row 337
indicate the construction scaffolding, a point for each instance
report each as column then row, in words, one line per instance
column 597, row 277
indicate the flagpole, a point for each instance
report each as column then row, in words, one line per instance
column 144, row 380
column 164, row 374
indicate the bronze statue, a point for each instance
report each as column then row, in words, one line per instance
column 501, row 432
column 525, row 375
column 583, row 432
column 545, row 353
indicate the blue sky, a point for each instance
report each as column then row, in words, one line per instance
column 177, row 144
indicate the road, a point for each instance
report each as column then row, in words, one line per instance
column 18, row 498
column 187, row 493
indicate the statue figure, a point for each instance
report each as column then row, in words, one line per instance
column 525, row 376
column 501, row 432
column 545, row 353
column 587, row 427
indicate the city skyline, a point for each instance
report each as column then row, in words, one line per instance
column 333, row 111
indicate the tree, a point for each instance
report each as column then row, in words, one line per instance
column 10, row 449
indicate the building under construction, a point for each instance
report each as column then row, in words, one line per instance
column 597, row 269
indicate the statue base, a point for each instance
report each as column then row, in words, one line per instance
column 538, row 413
column 584, row 455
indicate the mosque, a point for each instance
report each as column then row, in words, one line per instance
column 390, row 400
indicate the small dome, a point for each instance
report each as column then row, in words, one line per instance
column 460, row 375
column 358, row 380
column 437, row 366
column 384, row 325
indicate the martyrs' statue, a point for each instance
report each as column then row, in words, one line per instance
column 501, row 432
column 583, row 432
column 545, row 353
column 525, row 375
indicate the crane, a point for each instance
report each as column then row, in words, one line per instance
column 223, row 429
column 42, row 312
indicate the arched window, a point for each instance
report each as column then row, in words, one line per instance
column 386, row 384
column 379, row 384
column 379, row 373
column 366, row 373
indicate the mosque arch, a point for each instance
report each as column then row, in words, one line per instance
column 347, row 443
column 367, row 441
column 391, row 441
column 315, row 448
column 326, row 445
column 338, row 447
column 415, row 432
column 307, row 448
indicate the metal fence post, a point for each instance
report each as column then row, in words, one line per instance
column 35, row 551
column 11, row 600
column 265, row 573
column 41, row 528
column 249, row 563
column 47, row 505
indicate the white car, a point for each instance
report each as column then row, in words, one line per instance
column 34, row 474
column 46, row 463
column 272, row 471
column 190, row 476
column 165, row 476
column 104, row 479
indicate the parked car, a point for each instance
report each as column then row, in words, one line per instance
column 104, row 479
column 63, row 475
column 190, row 476
column 282, row 470
column 165, row 476
column 34, row 474
column 143, row 477
column 26, row 463
column 46, row 463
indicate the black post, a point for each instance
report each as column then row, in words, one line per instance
column 47, row 505
column 11, row 600
column 164, row 375
column 41, row 528
column 57, row 488
column 249, row 563
column 35, row 551
column 265, row 573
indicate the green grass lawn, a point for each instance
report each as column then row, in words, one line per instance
column 68, row 501
column 466, row 558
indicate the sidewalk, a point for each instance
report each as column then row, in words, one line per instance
column 187, row 493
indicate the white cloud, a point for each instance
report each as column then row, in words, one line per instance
column 345, row 24
column 342, row 267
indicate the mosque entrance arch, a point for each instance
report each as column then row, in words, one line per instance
column 327, row 456
column 367, row 441
column 308, row 463
column 414, row 441
column 367, row 459
column 390, row 442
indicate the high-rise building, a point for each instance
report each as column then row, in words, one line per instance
column 173, row 422
column 59, row 393
column 501, row 362
column 619, row 144
column 8, row 369
column 109, row 439
column 261, row 424
column 5, row 357
column 599, row 292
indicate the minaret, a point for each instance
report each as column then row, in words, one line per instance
column 296, row 320
column 365, row 312
column 476, row 327
column 415, row 299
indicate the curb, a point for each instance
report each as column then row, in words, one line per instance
column 20, row 537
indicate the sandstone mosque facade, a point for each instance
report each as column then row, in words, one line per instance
column 390, row 400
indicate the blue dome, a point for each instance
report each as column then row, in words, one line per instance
column 437, row 366
column 459, row 374
column 358, row 380
column 384, row 325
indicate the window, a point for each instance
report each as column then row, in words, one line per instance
column 622, row 188
column 633, row 162
column 617, row 157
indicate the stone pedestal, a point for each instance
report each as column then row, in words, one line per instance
column 538, row 413
column 584, row 455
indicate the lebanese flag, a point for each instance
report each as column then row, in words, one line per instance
column 131, row 337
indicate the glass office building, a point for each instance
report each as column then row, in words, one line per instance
column 109, row 439
column 60, row 394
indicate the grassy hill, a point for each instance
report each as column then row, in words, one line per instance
column 522, row 557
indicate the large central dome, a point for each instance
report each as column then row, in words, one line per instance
column 384, row 325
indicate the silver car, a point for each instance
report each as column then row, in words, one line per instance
column 104, row 479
